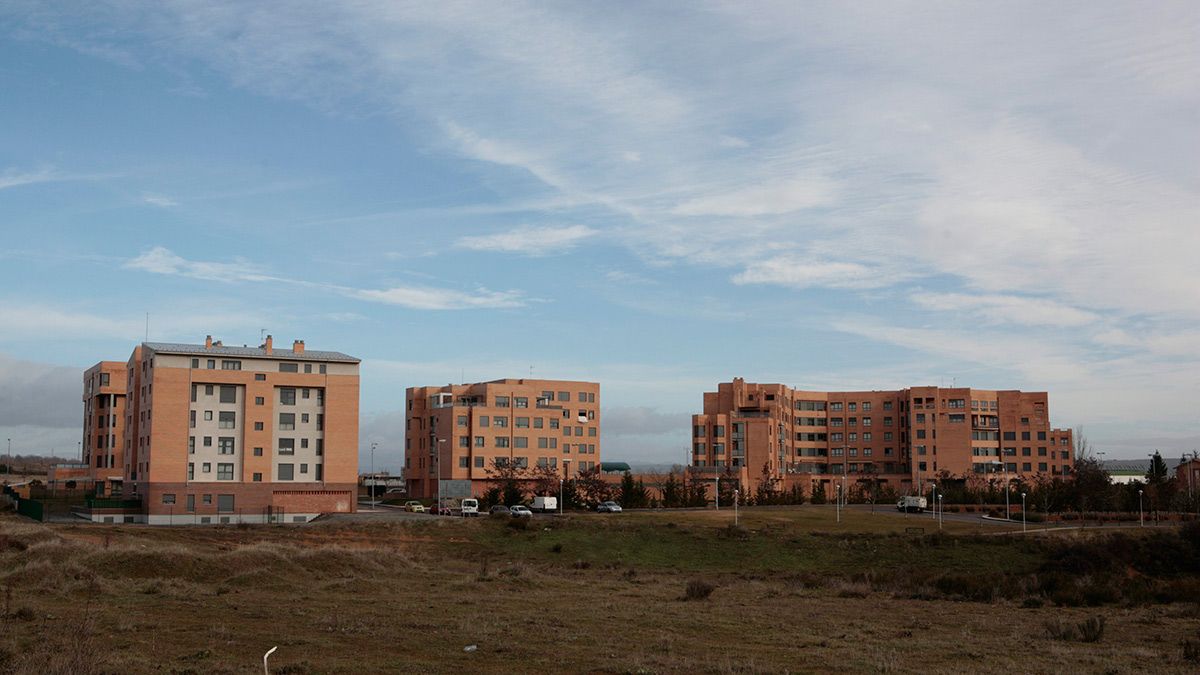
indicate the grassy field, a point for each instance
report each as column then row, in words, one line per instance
column 791, row 592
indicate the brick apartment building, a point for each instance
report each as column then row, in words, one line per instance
column 220, row 434
column 901, row 438
column 104, row 426
column 457, row 432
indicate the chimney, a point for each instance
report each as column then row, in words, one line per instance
column 208, row 342
column 298, row 346
column 217, row 343
column 266, row 346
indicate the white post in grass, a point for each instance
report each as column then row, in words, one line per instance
column 266, row 670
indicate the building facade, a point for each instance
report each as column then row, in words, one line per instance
column 103, row 448
column 902, row 439
column 458, row 433
column 217, row 434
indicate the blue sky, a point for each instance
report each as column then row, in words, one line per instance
column 656, row 196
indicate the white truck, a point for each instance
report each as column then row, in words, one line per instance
column 911, row 504
column 545, row 504
column 469, row 508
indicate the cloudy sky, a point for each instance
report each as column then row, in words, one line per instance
column 656, row 196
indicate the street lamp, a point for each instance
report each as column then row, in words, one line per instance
column 718, row 493
column 941, row 512
column 371, row 486
column 735, row 508
column 560, row 496
column 1022, row 513
column 438, row 448
column 1141, row 518
column 837, row 504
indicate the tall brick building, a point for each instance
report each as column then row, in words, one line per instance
column 104, row 425
column 217, row 434
column 458, row 431
column 901, row 438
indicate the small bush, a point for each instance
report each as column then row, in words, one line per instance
column 518, row 523
column 736, row 532
column 1090, row 630
column 698, row 589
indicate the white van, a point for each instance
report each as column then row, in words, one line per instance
column 545, row 504
column 470, row 508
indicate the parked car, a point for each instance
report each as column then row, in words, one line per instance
column 608, row 507
column 469, row 508
column 414, row 506
column 499, row 508
column 520, row 511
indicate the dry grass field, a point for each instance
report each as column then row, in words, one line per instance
column 790, row 591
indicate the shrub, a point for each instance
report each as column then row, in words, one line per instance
column 1032, row 603
column 518, row 523
column 1089, row 630
column 698, row 589
column 736, row 532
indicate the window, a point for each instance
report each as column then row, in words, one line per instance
column 303, row 443
column 866, row 421
column 564, row 396
column 320, row 446
column 225, row 445
column 206, row 499
column 478, row 462
column 287, row 421
column 287, row 396
column 208, row 441
column 303, row 468
column 168, row 499
column 521, row 402
column 321, row 369
column 463, row 462
column 226, row 420
column 287, row 446
column 286, row 472
column 207, row 415
column 304, row 393
column 543, row 442
column 835, row 407
column 851, row 407
column 258, row 426
column 554, row 422
column 208, row 390
column 212, row 363
column 957, row 418
column 501, row 401
column 195, row 363
column 257, row 477
column 224, row 471
column 258, row 452
column 191, row 445
column 484, row 420
column 1010, row 435
column 1042, row 437
column 461, row 421
column 920, row 418
column 191, row 471
column 500, row 421
column 520, row 442
column 464, row 441
column 289, row 368
column 522, row 422
column 538, row 422
column 231, row 365
column 1025, row 436
column 304, row 418
column 206, row 467
column 501, row 441
column 225, row 503
column 479, row 441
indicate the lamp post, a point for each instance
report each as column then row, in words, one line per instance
column 1007, row 508
column 735, row 508
column 371, row 486
column 1141, row 517
column 941, row 512
column 560, row 496
column 1022, row 513
column 717, row 493
column 837, row 503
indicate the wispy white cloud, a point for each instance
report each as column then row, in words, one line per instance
column 160, row 260
column 772, row 198
column 425, row 297
column 158, row 200
column 802, row 272
column 11, row 178
column 1012, row 309
column 528, row 240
